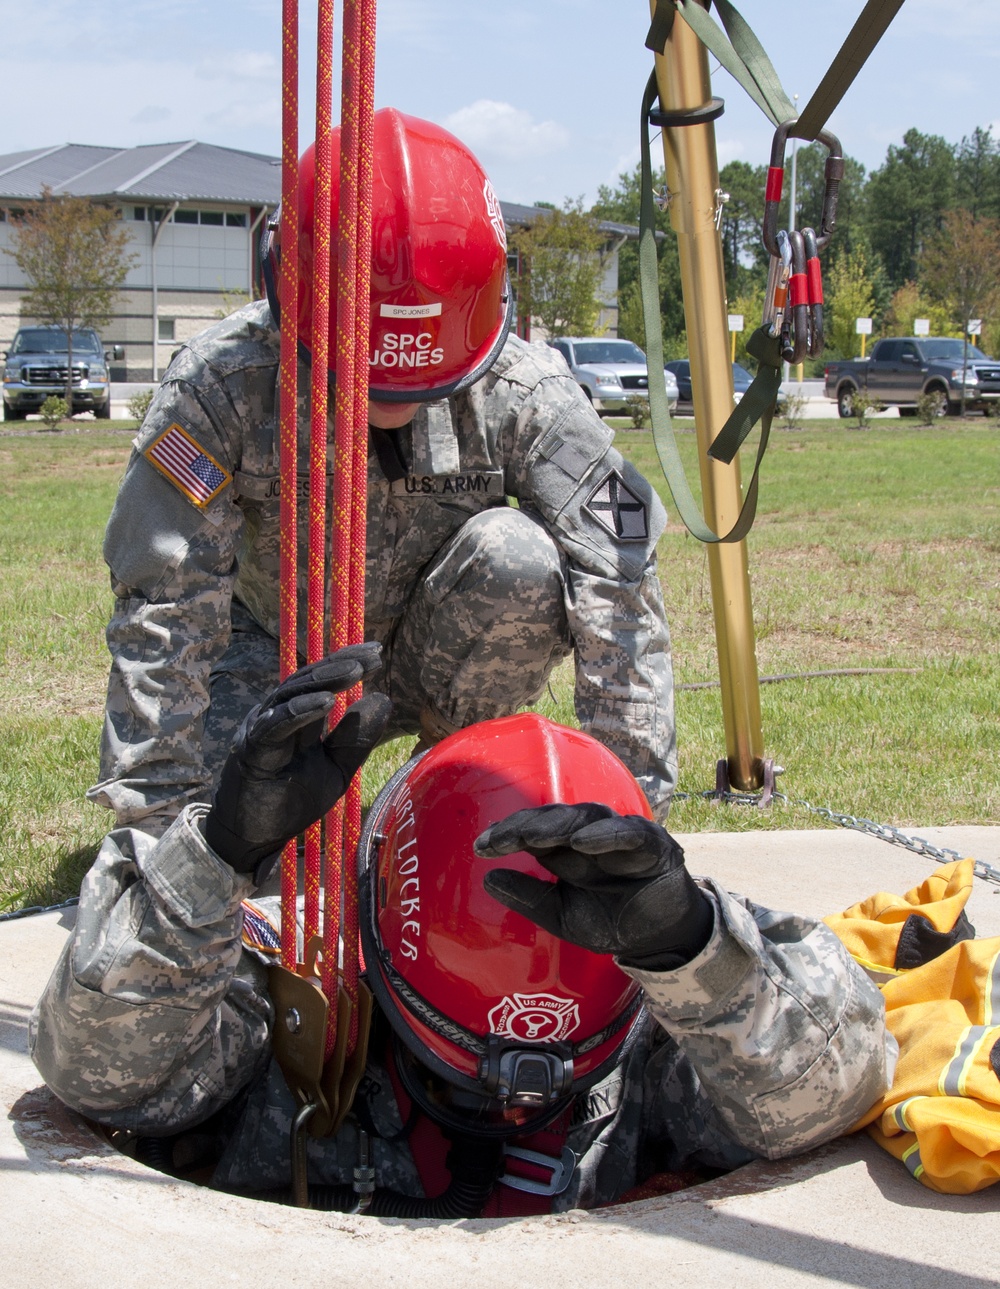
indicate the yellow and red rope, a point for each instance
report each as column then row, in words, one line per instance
column 336, row 910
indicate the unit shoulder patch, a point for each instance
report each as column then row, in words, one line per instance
column 618, row 510
column 182, row 460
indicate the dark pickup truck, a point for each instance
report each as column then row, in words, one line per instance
column 900, row 371
column 35, row 367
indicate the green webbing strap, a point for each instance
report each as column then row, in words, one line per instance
column 758, row 403
column 661, row 25
column 659, row 410
column 861, row 40
column 741, row 54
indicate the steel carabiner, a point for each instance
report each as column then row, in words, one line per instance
column 814, row 285
column 833, row 172
column 798, row 302
column 776, row 291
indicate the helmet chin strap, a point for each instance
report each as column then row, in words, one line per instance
column 464, row 1112
column 517, row 1074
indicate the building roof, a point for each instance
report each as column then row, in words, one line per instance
column 188, row 171
column 515, row 215
column 191, row 171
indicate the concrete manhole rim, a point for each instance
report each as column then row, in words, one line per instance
column 58, row 1137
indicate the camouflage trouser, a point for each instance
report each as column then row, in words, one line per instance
column 478, row 637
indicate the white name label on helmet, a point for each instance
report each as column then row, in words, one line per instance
column 410, row 310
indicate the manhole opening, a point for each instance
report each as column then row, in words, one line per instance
column 192, row 1157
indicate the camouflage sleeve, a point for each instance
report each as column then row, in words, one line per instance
column 787, row 1034
column 172, row 560
column 607, row 520
column 153, row 1018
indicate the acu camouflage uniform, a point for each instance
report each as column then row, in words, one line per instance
column 769, row 1042
column 474, row 600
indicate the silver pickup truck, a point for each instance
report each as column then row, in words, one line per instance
column 35, row 367
column 902, row 370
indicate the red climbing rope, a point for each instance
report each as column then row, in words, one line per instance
column 350, row 461
column 331, row 905
column 288, row 427
column 365, row 94
column 320, row 346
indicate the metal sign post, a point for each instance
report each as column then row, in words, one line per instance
column 693, row 182
column 735, row 326
column 863, row 328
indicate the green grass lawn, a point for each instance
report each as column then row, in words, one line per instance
column 872, row 549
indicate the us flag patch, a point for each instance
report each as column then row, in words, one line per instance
column 259, row 932
column 187, row 465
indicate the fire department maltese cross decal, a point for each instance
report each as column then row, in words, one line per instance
column 616, row 507
column 538, row 1018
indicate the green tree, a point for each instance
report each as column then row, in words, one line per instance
column 742, row 249
column 960, row 267
column 810, row 192
column 909, row 303
column 561, row 268
column 905, row 201
column 977, row 174
column 74, row 255
column 621, row 204
column 850, row 296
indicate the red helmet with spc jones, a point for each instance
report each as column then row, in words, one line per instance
column 441, row 305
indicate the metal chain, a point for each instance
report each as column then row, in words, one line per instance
column 39, row 908
column 884, row 832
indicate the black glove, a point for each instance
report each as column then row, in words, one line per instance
column 622, row 887
column 282, row 774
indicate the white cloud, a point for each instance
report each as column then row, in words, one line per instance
column 730, row 150
column 500, row 131
column 150, row 114
column 243, row 65
column 258, row 113
column 627, row 162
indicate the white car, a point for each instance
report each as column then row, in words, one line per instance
column 610, row 371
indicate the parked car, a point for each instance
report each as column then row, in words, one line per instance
column 609, row 371
column 35, row 368
column 681, row 368
column 901, row 370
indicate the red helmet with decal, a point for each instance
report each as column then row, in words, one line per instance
column 503, row 1020
column 441, row 305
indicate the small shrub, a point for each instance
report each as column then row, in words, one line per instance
column 929, row 407
column 638, row 410
column 862, row 407
column 138, row 405
column 54, row 410
column 792, row 411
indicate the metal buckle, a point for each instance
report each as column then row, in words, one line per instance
column 563, row 1169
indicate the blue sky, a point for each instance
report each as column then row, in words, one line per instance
column 545, row 91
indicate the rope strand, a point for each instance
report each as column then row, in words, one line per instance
column 288, row 416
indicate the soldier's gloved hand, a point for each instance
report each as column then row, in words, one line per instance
column 622, row 887
column 282, row 774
